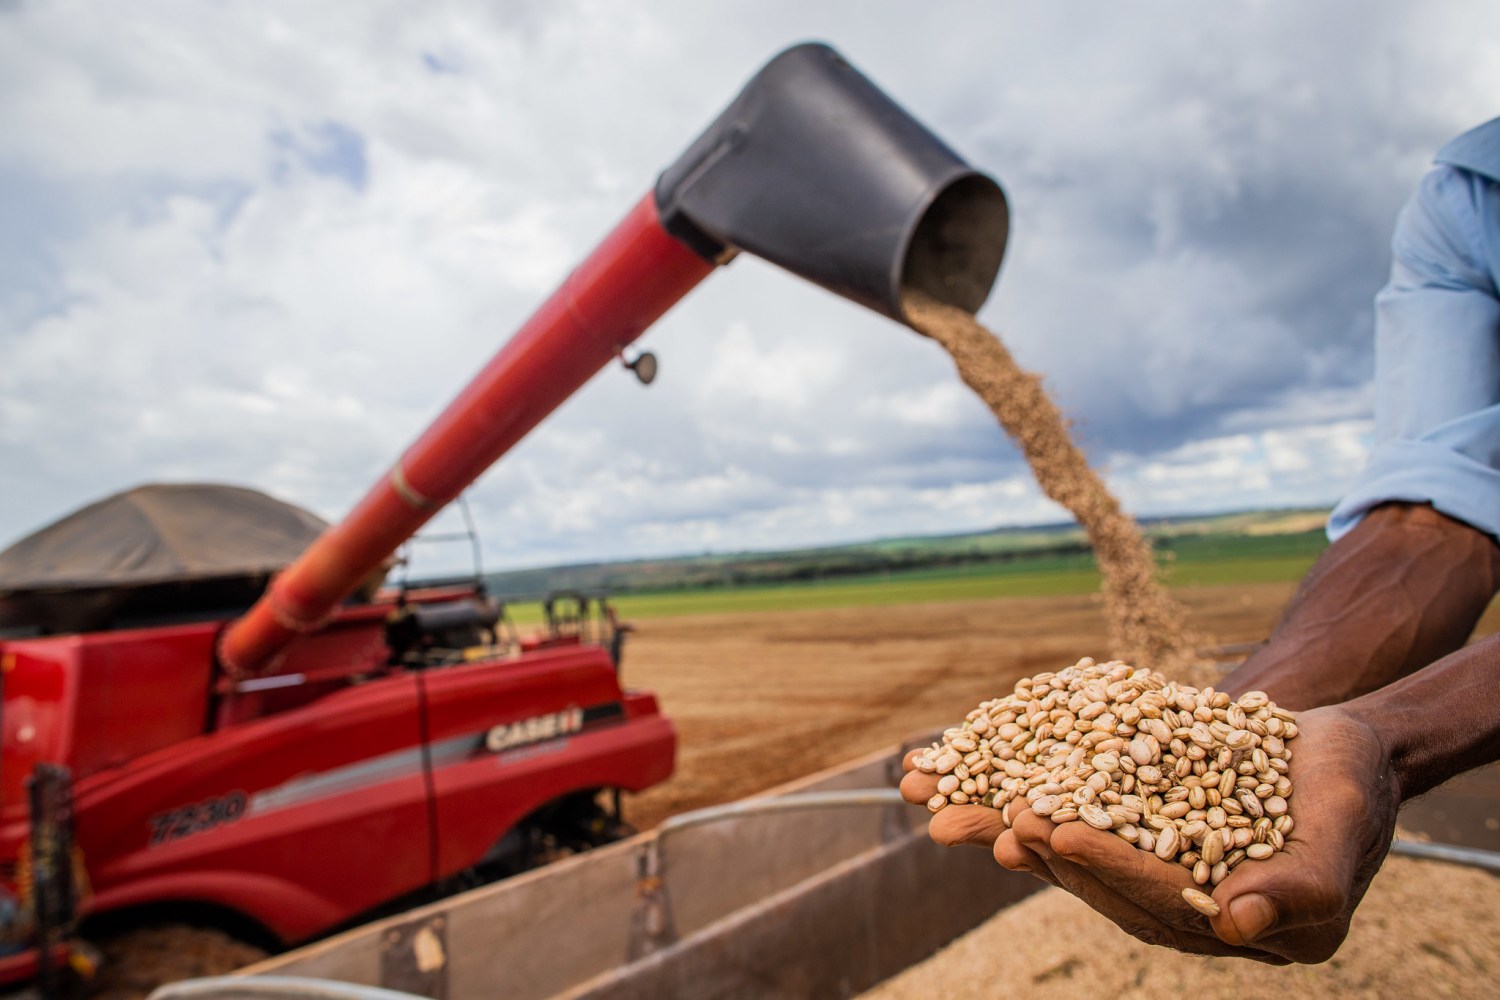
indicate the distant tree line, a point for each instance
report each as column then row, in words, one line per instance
column 711, row 573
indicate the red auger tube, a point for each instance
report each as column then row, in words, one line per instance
column 634, row 276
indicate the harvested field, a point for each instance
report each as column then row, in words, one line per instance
column 763, row 698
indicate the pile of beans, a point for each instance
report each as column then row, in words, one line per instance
column 1192, row 775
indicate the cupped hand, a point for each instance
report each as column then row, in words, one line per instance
column 952, row 825
column 1292, row 907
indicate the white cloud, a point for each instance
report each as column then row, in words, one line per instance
column 943, row 405
column 1305, row 466
column 265, row 243
column 786, row 376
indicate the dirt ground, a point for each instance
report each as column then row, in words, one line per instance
column 760, row 699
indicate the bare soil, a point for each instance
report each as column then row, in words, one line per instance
column 762, row 698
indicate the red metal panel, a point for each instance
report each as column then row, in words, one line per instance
column 137, row 692
column 639, row 704
column 96, row 701
column 354, row 644
column 637, row 273
column 36, row 721
column 481, row 793
column 477, row 696
column 479, row 799
column 333, row 802
column 295, row 913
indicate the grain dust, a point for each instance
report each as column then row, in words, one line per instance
column 1145, row 626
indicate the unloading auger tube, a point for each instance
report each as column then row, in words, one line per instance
column 811, row 167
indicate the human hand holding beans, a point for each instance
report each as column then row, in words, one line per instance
column 976, row 825
column 1027, row 846
column 1356, row 638
column 1141, row 796
column 1292, row 907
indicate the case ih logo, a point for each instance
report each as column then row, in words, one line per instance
column 533, row 730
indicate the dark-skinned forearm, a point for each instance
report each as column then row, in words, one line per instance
column 1401, row 590
column 1442, row 720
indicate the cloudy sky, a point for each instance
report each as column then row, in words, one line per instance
column 264, row 243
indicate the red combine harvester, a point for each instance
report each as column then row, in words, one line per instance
column 410, row 741
column 286, row 770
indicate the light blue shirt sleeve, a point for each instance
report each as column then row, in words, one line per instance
column 1437, row 359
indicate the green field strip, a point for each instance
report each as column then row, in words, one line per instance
column 1041, row 577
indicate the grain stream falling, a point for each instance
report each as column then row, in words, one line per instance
column 1145, row 625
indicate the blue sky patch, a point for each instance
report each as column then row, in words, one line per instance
column 437, row 64
column 329, row 148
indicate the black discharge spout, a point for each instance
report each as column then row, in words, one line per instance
column 813, row 168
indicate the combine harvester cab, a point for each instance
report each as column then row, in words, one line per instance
column 411, row 743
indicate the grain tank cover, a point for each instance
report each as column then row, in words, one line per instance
column 156, row 550
column 812, row 167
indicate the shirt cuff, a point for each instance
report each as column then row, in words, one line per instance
column 1405, row 471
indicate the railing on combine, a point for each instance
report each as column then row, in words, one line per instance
column 576, row 616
